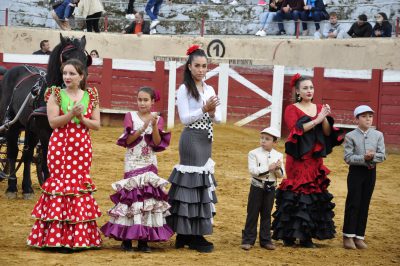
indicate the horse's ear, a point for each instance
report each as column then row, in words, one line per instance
column 83, row 42
column 62, row 39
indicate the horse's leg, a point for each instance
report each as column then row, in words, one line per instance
column 12, row 153
column 43, row 130
column 45, row 134
column 31, row 141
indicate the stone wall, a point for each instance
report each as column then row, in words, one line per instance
column 183, row 17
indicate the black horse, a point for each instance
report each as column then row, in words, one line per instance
column 18, row 83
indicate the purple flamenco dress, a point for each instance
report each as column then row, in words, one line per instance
column 141, row 202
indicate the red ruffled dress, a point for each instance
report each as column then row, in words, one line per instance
column 66, row 212
column 141, row 201
column 304, row 207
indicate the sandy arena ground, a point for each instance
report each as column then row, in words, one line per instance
column 230, row 154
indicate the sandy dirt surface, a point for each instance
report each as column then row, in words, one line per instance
column 230, row 154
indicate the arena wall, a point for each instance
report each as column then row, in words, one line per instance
column 365, row 53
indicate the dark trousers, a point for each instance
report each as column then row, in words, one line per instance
column 360, row 186
column 131, row 8
column 92, row 22
column 315, row 16
column 260, row 202
column 280, row 16
column 152, row 8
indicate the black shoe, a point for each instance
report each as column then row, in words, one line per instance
column 182, row 240
column 289, row 242
column 200, row 244
column 282, row 32
column 307, row 244
column 126, row 245
column 143, row 247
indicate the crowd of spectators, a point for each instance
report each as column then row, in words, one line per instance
column 274, row 12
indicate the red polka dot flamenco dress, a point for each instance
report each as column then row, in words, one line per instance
column 66, row 212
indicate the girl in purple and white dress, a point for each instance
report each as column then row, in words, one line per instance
column 141, row 202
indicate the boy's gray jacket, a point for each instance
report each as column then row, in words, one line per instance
column 357, row 144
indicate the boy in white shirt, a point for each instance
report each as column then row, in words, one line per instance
column 265, row 167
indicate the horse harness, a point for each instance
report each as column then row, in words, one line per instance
column 71, row 47
column 35, row 91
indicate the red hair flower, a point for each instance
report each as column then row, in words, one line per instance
column 192, row 49
column 294, row 79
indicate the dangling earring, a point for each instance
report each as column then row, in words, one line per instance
column 63, row 86
column 298, row 98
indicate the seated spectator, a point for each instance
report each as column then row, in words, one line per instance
column 139, row 26
column 382, row 27
column 333, row 30
column 314, row 10
column 130, row 11
column 44, row 48
column 361, row 28
column 94, row 54
column 267, row 17
column 62, row 13
column 291, row 10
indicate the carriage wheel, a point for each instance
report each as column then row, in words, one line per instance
column 37, row 160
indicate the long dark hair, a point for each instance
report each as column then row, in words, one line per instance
column 187, row 76
column 297, row 86
column 80, row 68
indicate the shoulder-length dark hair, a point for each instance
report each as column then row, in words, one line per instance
column 187, row 76
column 385, row 18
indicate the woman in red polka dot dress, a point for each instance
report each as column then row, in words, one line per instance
column 66, row 211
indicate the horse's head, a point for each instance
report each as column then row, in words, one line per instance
column 73, row 48
column 68, row 48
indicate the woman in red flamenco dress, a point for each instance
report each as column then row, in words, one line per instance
column 304, row 207
column 66, row 212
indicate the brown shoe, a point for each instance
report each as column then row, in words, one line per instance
column 269, row 246
column 348, row 243
column 360, row 244
column 245, row 246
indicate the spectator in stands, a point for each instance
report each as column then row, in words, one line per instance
column 91, row 10
column 130, row 11
column 333, row 30
column 139, row 26
column 62, row 13
column 267, row 16
column 94, row 54
column 44, row 48
column 382, row 27
column 361, row 28
column 314, row 10
column 291, row 10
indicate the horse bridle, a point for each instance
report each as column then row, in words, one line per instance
column 71, row 47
